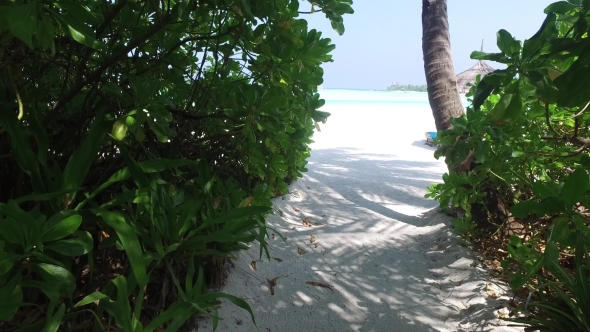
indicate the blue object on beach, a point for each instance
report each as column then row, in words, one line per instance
column 430, row 136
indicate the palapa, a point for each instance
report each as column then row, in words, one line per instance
column 469, row 76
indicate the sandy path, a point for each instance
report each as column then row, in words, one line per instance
column 389, row 256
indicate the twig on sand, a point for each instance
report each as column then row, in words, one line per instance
column 320, row 284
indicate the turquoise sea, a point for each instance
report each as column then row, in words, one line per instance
column 375, row 97
column 374, row 119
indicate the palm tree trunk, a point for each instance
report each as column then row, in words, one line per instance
column 444, row 98
column 438, row 64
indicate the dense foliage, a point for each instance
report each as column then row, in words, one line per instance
column 526, row 132
column 140, row 144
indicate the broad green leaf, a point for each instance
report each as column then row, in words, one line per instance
column 179, row 321
column 520, row 280
column 574, row 83
column 18, row 227
column 560, row 229
column 122, row 309
column 45, row 35
column 56, row 227
column 575, row 187
column 81, row 245
column 54, row 322
column 7, row 260
column 497, row 57
column 482, row 92
column 119, row 176
column 320, row 116
column 507, row 44
column 22, row 21
column 233, row 299
column 80, row 32
column 545, row 88
column 533, row 45
column 56, row 277
column 183, row 309
column 44, row 197
column 542, row 190
column 523, row 209
column 91, row 298
column 130, row 243
column 78, row 10
column 11, row 294
column 79, row 163
column 560, row 7
column 137, row 174
column 509, row 107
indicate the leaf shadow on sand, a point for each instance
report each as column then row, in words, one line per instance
column 380, row 244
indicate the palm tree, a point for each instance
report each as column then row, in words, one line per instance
column 444, row 99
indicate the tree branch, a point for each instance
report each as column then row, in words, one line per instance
column 95, row 75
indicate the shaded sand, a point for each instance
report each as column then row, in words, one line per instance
column 387, row 252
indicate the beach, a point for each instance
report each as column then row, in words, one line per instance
column 364, row 250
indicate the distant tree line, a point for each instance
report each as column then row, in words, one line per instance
column 407, row 87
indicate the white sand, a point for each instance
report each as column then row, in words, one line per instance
column 389, row 255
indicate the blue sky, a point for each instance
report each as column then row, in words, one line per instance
column 383, row 38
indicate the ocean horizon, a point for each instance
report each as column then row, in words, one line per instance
column 386, row 118
column 372, row 97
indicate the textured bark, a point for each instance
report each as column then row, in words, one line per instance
column 443, row 96
column 445, row 101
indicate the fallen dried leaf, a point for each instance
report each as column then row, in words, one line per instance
column 491, row 291
column 312, row 239
column 300, row 251
column 315, row 245
column 318, row 223
column 246, row 202
column 320, row 284
column 253, row 265
column 277, row 259
column 295, row 209
column 271, row 284
column 306, row 222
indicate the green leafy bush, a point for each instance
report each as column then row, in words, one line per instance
column 525, row 137
column 141, row 143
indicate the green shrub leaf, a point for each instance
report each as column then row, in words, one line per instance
column 233, row 299
column 81, row 245
column 575, row 187
column 22, row 21
column 7, row 260
column 56, row 278
column 54, row 322
column 18, row 227
column 60, row 225
column 130, row 243
column 523, row 209
column 96, row 296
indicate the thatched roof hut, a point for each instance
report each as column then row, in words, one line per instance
column 468, row 76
